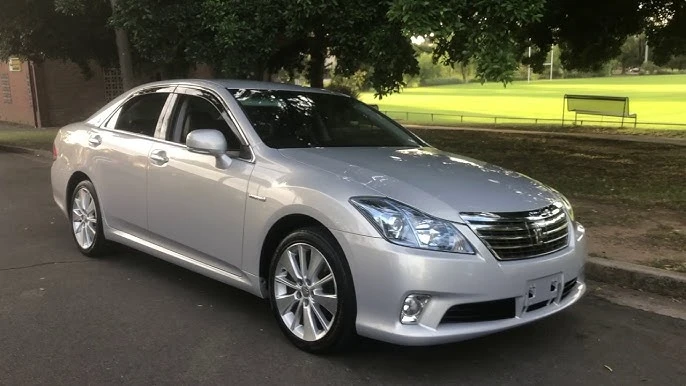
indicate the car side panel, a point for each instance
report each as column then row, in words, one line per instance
column 117, row 167
column 120, row 168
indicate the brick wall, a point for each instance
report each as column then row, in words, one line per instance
column 65, row 95
column 201, row 71
column 16, row 104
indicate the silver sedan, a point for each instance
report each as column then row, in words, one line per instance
column 347, row 222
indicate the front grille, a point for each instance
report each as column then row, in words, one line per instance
column 480, row 312
column 521, row 235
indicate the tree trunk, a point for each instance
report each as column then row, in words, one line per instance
column 317, row 62
column 124, row 53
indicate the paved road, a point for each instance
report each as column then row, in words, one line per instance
column 130, row 318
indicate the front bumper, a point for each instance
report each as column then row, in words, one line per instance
column 384, row 274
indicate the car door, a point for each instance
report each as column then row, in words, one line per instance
column 120, row 158
column 194, row 207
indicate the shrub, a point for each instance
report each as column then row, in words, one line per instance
column 440, row 81
column 344, row 89
column 649, row 68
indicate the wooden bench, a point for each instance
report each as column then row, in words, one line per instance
column 597, row 105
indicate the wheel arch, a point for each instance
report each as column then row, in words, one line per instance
column 282, row 228
column 74, row 180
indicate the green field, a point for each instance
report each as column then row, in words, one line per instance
column 655, row 98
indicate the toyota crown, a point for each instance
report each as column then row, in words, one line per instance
column 345, row 221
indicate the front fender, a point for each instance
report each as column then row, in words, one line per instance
column 277, row 192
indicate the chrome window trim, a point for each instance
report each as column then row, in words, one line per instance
column 166, row 113
column 227, row 109
column 144, row 91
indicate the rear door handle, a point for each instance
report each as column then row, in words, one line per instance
column 95, row 140
column 159, row 157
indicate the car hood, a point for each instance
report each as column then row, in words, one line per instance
column 436, row 182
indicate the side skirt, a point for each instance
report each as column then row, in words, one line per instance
column 248, row 282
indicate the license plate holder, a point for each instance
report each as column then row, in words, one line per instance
column 545, row 289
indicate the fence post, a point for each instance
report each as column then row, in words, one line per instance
column 432, row 117
column 407, row 115
column 461, row 118
column 495, row 120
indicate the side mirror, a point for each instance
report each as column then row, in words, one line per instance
column 212, row 142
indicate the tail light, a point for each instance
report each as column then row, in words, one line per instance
column 54, row 152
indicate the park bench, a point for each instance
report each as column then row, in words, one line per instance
column 597, row 105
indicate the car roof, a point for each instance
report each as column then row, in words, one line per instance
column 240, row 84
column 257, row 85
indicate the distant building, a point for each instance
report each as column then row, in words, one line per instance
column 55, row 93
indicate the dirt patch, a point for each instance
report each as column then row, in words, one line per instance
column 655, row 237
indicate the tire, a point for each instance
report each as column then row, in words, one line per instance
column 314, row 301
column 90, row 238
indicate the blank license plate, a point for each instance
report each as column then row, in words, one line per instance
column 543, row 289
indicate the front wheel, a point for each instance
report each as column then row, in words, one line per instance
column 311, row 291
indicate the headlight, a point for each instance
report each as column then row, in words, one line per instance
column 406, row 226
column 565, row 203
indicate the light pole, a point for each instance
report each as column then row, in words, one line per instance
column 528, row 71
column 552, row 55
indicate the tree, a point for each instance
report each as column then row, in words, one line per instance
column 495, row 33
column 630, row 55
column 665, row 28
column 45, row 29
column 677, row 62
column 258, row 38
column 81, row 7
column 491, row 32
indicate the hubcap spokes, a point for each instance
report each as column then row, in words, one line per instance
column 305, row 292
column 84, row 218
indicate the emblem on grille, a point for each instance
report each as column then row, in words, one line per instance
column 538, row 234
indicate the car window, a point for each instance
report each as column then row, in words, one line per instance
column 293, row 119
column 140, row 114
column 194, row 113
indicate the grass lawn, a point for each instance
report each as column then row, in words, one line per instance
column 29, row 138
column 630, row 195
column 655, row 98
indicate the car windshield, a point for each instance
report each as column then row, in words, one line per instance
column 300, row 119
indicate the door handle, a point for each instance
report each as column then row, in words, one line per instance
column 159, row 157
column 95, row 140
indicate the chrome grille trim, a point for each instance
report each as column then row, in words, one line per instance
column 521, row 235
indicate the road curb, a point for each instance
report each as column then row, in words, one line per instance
column 637, row 277
column 24, row 150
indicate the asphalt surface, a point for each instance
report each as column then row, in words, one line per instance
column 131, row 318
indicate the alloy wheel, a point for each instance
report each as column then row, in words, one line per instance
column 305, row 292
column 84, row 218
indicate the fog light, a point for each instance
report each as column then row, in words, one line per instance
column 413, row 307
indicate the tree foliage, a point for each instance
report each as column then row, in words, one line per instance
column 677, row 62
column 57, row 29
column 253, row 39
column 491, row 32
column 258, row 38
column 496, row 32
column 632, row 52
